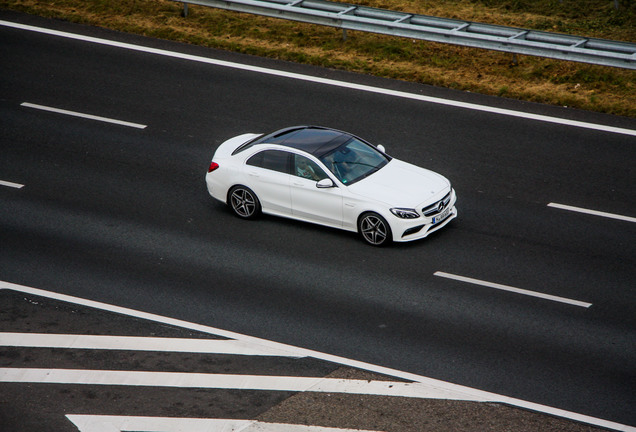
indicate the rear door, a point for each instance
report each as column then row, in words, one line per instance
column 268, row 176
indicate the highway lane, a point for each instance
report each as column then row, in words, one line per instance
column 121, row 215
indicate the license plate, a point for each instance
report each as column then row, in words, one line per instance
column 440, row 217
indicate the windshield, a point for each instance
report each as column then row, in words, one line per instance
column 353, row 161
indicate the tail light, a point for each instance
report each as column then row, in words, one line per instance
column 213, row 166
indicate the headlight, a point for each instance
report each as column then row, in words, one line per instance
column 405, row 213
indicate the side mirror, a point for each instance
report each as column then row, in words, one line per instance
column 325, row 184
column 381, row 148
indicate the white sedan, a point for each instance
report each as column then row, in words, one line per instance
column 331, row 178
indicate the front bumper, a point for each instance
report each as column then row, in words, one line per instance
column 418, row 230
column 413, row 229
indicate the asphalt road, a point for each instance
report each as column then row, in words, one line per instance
column 120, row 215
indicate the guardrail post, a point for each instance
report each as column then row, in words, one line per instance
column 184, row 13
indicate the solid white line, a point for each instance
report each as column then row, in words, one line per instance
column 336, row 83
column 225, row 381
column 130, row 343
column 592, row 212
column 455, row 389
column 82, row 115
column 102, row 423
column 11, row 184
column 513, row 289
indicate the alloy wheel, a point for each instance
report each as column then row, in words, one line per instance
column 243, row 202
column 375, row 230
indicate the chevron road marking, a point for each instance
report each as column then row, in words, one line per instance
column 458, row 391
column 90, row 423
column 229, row 382
column 202, row 346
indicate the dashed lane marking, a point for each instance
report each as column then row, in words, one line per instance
column 11, row 184
column 592, row 212
column 513, row 289
column 82, row 115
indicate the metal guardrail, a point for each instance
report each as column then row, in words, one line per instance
column 493, row 37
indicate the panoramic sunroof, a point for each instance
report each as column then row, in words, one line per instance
column 311, row 139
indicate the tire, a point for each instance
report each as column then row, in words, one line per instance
column 243, row 202
column 374, row 229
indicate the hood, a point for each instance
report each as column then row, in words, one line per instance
column 401, row 184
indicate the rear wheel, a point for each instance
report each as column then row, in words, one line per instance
column 374, row 229
column 243, row 202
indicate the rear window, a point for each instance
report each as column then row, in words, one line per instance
column 274, row 160
column 247, row 145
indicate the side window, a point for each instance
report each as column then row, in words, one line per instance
column 306, row 168
column 274, row 160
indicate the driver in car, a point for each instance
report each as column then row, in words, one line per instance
column 303, row 169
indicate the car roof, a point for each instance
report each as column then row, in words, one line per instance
column 316, row 140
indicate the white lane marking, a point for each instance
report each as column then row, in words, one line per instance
column 513, row 289
column 102, row 423
column 228, row 382
column 11, row 184
column 455, row 389
column 325, row 81
column 592, row 212
column 82, row 115
column 182, row 345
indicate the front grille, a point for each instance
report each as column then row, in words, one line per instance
column 437, row 207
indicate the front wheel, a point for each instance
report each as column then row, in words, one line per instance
column 374, row 229
column 244, row 202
